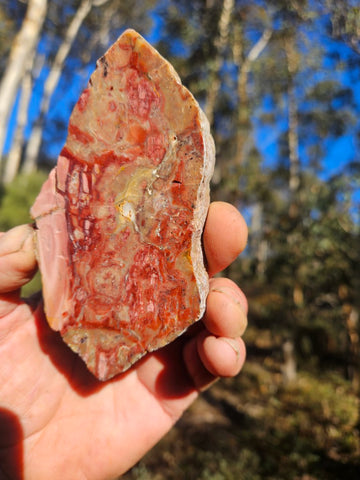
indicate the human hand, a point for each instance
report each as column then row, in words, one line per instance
column 58, row 421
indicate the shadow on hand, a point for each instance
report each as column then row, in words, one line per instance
column 63, row 358
column 174, row 380
column 11, row 446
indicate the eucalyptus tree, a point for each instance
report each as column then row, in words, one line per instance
column 20, row 60
column 68, row 37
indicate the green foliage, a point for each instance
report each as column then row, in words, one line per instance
column 258, row 428
column 17, row 198
column 345, row 21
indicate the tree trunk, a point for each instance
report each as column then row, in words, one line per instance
column 294, row 177
column 23, row 49
column 293, row 134
column 220, row 43
column 353, row 333
column 34, row 143
column 288, row 367
column 258, row 244
column 102, row 36
column 14, row 157
column 289, row 370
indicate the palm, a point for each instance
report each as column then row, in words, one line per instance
column 65, row 397
column 58, row 418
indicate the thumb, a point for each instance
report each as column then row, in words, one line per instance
column 17, row 258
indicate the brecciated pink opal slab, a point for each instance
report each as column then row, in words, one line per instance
column 120, row 217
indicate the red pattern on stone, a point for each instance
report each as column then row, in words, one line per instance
column 120, row 218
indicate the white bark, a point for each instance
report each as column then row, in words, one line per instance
column 258, row 244
column 101, row 37
column 34, row 143
column 220, row 43
column 23, row 48
column 293, row 132
column 293, row 140
column 289, row 367
column 12, row 165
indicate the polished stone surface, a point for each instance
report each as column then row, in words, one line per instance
column 120, row 218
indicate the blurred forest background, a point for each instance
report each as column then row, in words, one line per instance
column 280, row 83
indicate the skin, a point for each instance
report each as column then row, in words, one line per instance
column 56, row 420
